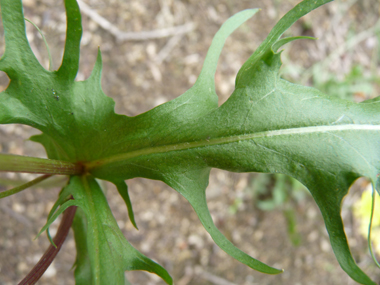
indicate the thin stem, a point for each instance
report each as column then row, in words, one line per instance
column 370, row 228
column 23, row 186
column 57, row 181
column 49, row 255
column 46, row 44
column 18, row 163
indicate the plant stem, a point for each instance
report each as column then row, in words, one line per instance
column 18, row 163
column 23, row 186
column 46, row 44
column 56, row 181
column 49, row 255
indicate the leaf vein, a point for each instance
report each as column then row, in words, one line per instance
column 231, row 139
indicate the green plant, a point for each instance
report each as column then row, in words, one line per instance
column 362, row 211
column 267, row 125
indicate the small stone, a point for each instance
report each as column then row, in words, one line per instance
column 22, row 267
column 196, row 241
column 325, row 245
column 18, row 208
column 29, row 3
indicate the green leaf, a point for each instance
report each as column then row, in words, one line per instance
column 109, row 253
column 82, row 273
column 284, row 41
column 62, row 198
column 267, row 125
column 62, row 208
column 285, row 23
column 123, row 191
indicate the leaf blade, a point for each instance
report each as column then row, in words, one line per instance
column 70, row 62
column 122, row 188
column 109, row 253
column 267, row 125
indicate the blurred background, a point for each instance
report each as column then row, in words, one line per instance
column 271, row 217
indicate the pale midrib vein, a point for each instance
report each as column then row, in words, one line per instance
column 231, row 139
column 92, row 210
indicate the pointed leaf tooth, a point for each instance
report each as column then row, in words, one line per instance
column 61, row 199
column 285, row 23
column 18, row 56
column 339, row 243
column 195, row 193
column 123, row 191
column 179, row 111
column 70, row 62
column 57, row 213
column 207, row 75
column 284, row 41
column 96, row 73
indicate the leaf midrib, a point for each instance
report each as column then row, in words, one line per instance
column 91, row 208
column 225, row 140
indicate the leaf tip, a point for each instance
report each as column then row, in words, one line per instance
column 134, row 223
column 50, row 238
column 284, row 41
column 39, row 233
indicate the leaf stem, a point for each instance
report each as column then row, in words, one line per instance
column 23, row 186
column 57, row 181
column 46, row 44
column 370, row 228
column 18, row 163
column 49, row 255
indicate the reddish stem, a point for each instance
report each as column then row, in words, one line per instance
column 49, row 255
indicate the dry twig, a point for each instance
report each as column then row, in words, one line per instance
column 134, row 36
